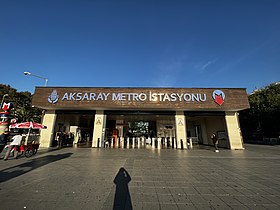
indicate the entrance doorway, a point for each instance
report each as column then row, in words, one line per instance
column 137, row 129
column 200, row 126
column 77, row 124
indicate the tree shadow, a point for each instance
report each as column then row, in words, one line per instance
column 18, row 170
column 122, row 199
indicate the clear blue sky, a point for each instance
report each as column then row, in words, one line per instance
column 140, row 43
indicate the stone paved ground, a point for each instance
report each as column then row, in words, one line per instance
column 75, row 178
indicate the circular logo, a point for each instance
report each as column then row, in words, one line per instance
column 218, row 96
column 53, row 98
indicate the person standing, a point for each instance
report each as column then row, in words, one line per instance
column 215, row 141
column 14, row 144
column 60, row 139
column 3, row 140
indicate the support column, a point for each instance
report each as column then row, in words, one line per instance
column 47, row 135
column 234, row 131
column 99, row 128
column 181, row 132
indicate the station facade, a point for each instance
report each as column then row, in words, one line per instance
column 133, row 117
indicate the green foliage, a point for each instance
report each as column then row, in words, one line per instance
column 23, row 110
column 264, row 115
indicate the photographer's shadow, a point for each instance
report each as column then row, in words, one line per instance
column 122, row 199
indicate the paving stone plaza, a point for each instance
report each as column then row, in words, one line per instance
column 91, row 178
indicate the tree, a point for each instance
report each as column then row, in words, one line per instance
column 23, row 110
column 263, row 118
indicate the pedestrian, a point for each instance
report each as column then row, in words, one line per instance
column 3, row 140
column 14, row 144
column 215, row 141
column 60, row 139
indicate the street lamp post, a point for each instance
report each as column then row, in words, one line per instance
column 29, row 74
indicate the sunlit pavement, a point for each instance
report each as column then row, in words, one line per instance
column 80, row 178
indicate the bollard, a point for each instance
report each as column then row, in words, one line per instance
column 159, row 143
column 176, row 143
column 127, row 143
column 172, row 142
column 122, row 142
column 138, row 142
column 168, row 142
column 98, row 142
column 188, row 144
column 182, row 146
column 112, row 143
column 119, row 142
column 148, row 141
column 133, row 142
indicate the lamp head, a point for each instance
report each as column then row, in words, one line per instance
column 26, row 73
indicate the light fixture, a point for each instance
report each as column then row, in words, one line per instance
column 29, row 74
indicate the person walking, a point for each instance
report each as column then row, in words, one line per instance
column 60, row 139
column 3, row 140
column 14, row 144
column 215, row 141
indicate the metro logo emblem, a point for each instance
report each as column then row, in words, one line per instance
column 7, row 106
column 219, row 97
column 53, row 98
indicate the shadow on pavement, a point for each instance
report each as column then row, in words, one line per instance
column 18, row 170
column 48, row 150
column 122, row 199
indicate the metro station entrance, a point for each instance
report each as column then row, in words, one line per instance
column 74, row 127
column 140, row 129
column 122, row 115
column 130, row 131
column 137, row 129
column 201, row 125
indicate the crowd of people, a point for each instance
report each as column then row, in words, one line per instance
column 64, row 139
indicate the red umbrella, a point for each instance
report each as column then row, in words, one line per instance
column 28, row 125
